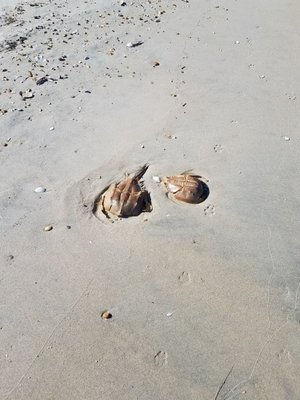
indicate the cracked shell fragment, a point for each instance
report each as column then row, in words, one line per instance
column 186, row 188
column 126, row 198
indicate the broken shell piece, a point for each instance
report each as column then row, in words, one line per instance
column 41, row 80
column 156, row 179
column 28, row 94
column 134, row 44
column 126, row 198
column 186, row 188
column 48, row 228
column 40, row 189
column 171, row 137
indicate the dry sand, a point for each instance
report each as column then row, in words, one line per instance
column 193, row 290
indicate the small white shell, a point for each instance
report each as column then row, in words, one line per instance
column 134, row 44
column 40, row 189
column 156, row 179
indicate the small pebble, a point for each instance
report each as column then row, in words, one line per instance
column 106, row 315
column 142, row 146
column 51, row 128
column 237, row 42
column 48, row 228
column 40, row 189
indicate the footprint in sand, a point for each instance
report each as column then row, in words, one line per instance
column 209, row 210
column 184, row 277
column 218, row 148
column 161, row 358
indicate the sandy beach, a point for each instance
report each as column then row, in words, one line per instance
column 204, row 299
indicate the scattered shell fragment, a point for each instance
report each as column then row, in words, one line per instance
column 286, row 138
column 134, row 44
column 171, row 137
column 186, row 188
column 48, row 228
column 126, row 198
column 40, row 189
column 28, row 94
column 42, row 80
column 156, row 179
column 106, row 315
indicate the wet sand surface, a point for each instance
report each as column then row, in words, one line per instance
column 193, row 290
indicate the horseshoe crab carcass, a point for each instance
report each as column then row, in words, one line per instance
column 126, row 198
column 186, row 187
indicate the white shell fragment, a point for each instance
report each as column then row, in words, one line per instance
column 28, row 94
column 286, row 138
column 48, row 228
column 40, row 189
column 156, row 179
column 134, row 44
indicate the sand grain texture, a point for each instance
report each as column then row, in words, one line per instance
column 193, row 290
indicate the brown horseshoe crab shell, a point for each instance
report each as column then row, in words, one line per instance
column 126, row 198
column 186, row 188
